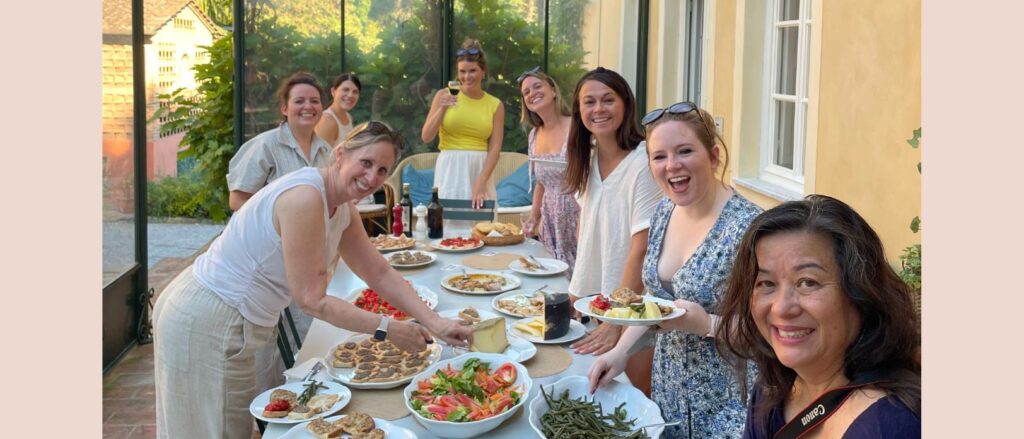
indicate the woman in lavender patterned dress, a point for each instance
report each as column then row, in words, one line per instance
column 694, row 234
column 555, row 214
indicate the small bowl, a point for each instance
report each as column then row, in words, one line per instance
column 449, row 429
column 637, row 406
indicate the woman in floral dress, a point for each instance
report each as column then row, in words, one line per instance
column 554, row 214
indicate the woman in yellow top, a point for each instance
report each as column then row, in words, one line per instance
column 471, row 127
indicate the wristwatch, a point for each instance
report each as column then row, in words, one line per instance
column 382, row 329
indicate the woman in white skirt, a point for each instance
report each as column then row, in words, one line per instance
column 214, row 317
column 471, row 127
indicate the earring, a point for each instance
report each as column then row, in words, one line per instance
column 593, row 141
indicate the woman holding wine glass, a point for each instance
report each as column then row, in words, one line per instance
column 469, row 123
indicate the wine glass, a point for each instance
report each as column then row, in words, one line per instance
column 454, row 86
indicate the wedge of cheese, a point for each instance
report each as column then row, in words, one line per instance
column 534, row 327
column 489, row 336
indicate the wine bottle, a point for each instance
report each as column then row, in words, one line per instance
column 435, row 217
column 406, row 210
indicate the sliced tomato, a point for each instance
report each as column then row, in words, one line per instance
column 506, row 374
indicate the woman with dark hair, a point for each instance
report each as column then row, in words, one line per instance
column 471, row 125
column 344, row 97
column 607, row 170
column 829, row 324
column 292, row 145
column 555, row 214
column 693, row 238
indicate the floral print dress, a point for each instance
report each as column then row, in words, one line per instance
column 560, row 213
column 690, row 381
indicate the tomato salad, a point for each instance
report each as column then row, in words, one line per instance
column 372, row 302
column 459, row 242
column 471, row 394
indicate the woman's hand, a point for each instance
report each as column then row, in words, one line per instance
column 598, row 341
column 453, row 332
column 605, row 368
column 479, row 195
column 531, row 225
column 446, row 99
column 408, row 336
column 695, row 321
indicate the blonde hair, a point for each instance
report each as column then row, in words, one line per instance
column 530, row 119
column 368, row 133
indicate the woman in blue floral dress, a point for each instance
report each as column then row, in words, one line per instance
column 693, row 238
column 555, row 214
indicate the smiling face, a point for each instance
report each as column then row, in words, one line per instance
column 363, row 170
column 346, row 95
column 600, row 108
column 470, row 74
column 537, row 93
column 680, row 163
column 799, row 304
column 303, row 107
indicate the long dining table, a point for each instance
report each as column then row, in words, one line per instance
column 322, row 336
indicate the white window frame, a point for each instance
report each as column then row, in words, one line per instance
column 789, row 179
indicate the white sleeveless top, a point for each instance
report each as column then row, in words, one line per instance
column 245, row 264
column 342, row 129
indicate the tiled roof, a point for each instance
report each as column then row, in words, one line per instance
column 117, row 15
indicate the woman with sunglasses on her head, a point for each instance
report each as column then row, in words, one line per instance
column 345, row 95
column 470, row 125
column 555, row 214
column 607, row 169
column 216, row 314
column 693, row 238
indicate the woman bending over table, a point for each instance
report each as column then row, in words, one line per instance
column 215, row 315
column 694, row 234
column 555, row 213
column 470, row 125
column 816, row 306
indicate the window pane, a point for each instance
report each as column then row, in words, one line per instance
column 789, row 10
column 787, row 61
column 118, row 149
column 565, row 50
column 783, row 146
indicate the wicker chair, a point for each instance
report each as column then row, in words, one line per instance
column 379, row 214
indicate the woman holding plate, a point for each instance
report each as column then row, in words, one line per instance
column 693, row 238
column 213, row 318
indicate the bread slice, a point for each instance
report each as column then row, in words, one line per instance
column 323, row 402
column 302, row 412
column 323, row 429
column 357, row 423
column 286, row 395
column 277, row 414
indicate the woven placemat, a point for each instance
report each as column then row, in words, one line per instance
column 498, row 261
column 387, row 404
column 550, row 359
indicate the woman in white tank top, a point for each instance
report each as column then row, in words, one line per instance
column 344, row 96
column 213, row 318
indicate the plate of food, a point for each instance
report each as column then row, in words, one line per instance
column 481, row 283
column 389, row 243
column 364, row 363
column 519, row 304
column 457, row 244
column 355, row 424
column 491, row 334
column 538, row 266
column 625, row 307
column 369, row 300
column 300, row 402
column 536, row 330
column 410, row 259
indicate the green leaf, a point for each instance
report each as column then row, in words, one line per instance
column 916, row 140
column 915, row 224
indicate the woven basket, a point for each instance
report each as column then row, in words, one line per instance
column 499, row 240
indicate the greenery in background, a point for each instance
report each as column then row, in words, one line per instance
column 207, row 116
column 911, row 257
column 175, row 197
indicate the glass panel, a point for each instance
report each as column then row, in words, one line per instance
column 784, row 120
column 787, row 61
column 789, row 10
column 695, row 37
column 117, row 148
column 565, row 49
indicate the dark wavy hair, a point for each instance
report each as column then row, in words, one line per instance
column 285, row 90
column 888, row 334
column 479, row 58
column 629, row 134
column 347, row 77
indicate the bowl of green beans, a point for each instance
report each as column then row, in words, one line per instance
column 566, row 409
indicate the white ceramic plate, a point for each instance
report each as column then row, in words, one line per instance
column 437, row 245
column 511, row 295
column 519, row 350
column 637, row 406
column 429, row 296
column 391, row 431
column 261, row 401
column 583, row 305
column 344, row 374
column 576, row 332
column 511, row 282
column 432, row 257
column 551, row 267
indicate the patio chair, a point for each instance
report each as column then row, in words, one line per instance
column 463, row 210
column 283, row 344
column 378, row 215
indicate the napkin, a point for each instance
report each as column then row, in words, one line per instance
column 495, row 234
column 299, row 372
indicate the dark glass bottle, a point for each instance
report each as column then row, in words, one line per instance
column 435, row 218
column 406, row 210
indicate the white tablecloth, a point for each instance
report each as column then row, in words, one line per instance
column 323, row 336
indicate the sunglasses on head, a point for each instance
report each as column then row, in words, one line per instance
column 676, row 108
column 470, row 51
column 532, row 71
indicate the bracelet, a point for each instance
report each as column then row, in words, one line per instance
column 712, row 325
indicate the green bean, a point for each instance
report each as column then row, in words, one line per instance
column 569, row 418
